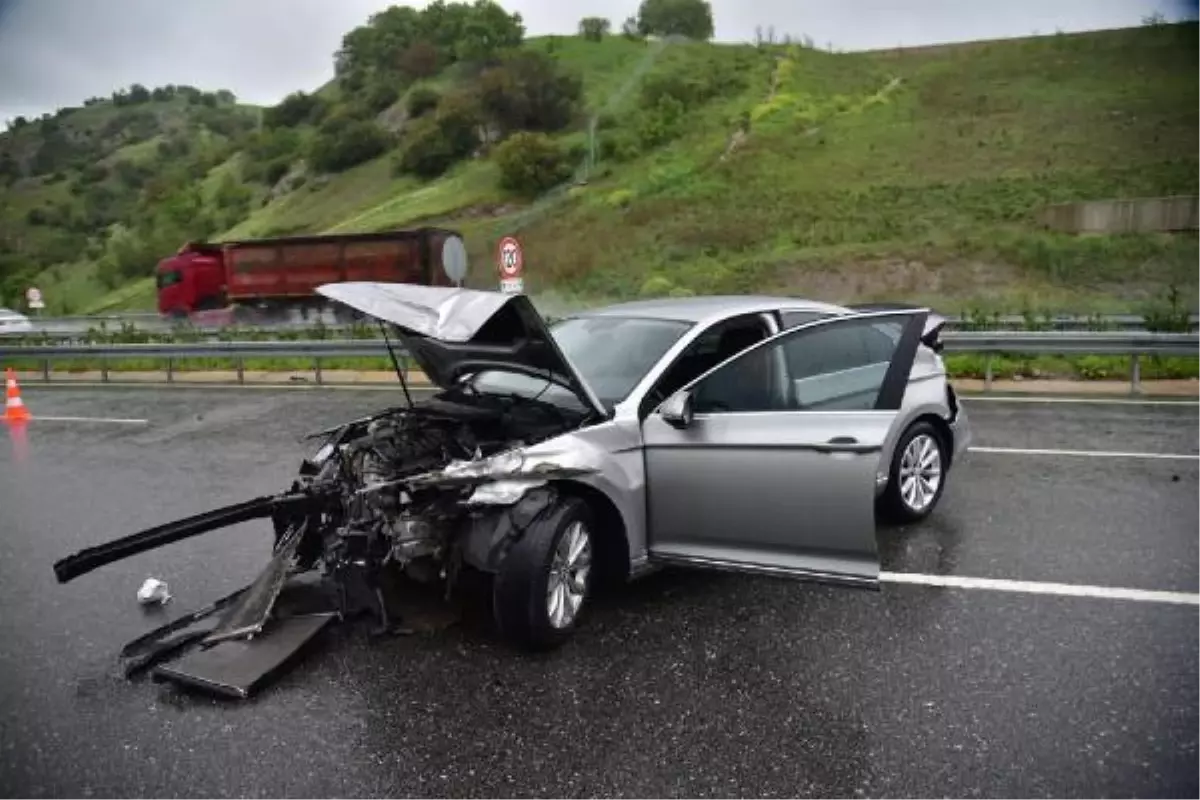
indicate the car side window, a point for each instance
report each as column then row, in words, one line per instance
column 834, row 367
column 710, row 348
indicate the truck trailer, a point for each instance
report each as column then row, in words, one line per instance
column 266, row 279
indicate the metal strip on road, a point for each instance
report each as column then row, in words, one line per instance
column 1041, row 587
column 1023, row 451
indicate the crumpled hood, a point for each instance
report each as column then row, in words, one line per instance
column 453, row 332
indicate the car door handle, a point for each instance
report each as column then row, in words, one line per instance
column 845, row 444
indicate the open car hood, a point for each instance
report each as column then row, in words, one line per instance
column 454, row 332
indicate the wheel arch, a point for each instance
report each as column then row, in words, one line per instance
column 612, row 543
column 943, row 429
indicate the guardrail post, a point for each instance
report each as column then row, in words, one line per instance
column 46, row 370
column 170, row 370
column 241, row 369
column 104, row 370
column 317, row 364
column 987, row 372
column 1135, row 374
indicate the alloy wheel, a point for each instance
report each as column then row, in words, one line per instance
column 570, row 570
column 920, row 472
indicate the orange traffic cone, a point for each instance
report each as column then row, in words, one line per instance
column 14, row 407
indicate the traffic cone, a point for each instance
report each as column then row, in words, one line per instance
column 14, row 407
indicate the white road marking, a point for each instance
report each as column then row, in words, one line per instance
column 1024, row 451
column 113, row 420
column 1041, row 587
column 1109, row 401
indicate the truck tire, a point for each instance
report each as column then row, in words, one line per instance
column 544, row 585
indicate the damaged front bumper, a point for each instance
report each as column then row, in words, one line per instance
column 233, row 645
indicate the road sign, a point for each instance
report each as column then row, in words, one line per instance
column 512, row 285
column 34, row 297
column 454, row 259
column 509, row 258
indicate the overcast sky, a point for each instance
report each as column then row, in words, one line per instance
column 58, row 52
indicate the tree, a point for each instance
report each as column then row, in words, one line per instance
column 530, row 91
column 690, row 18
column 138, row 94
column 594, row 29
column 419, row 60
column 295, row 109
column 531, row 163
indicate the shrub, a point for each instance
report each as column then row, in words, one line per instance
column 422, row 100
column 435, row 143
column 419, row 60
column 346, row 144
column 531, row 163
column 530, row 91
column 295, row 109
column 380, row 96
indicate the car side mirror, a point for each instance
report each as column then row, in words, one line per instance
column 677, row 410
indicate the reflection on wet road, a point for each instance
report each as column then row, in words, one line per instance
column 688, row 683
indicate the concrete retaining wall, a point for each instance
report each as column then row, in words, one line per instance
column 1144, row 214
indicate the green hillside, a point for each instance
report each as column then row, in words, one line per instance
column 908, row 174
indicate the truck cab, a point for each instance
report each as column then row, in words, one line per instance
column 192, row 279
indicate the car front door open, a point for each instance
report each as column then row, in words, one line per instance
column 770, row 466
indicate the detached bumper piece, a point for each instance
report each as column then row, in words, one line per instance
column 238, row 667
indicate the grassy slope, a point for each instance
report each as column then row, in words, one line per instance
column 900, row 174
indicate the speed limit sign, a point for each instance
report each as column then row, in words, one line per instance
column 510, row 258
column 511, row 262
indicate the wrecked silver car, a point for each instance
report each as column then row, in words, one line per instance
column 749, row 433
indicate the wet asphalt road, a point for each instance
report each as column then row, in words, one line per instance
column 690, row 684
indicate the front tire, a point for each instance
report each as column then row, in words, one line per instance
column 917, row 474
column 545, row 583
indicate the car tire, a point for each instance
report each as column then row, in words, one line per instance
column 523, row 605
column 903, row 499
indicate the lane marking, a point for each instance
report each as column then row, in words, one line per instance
column 113, row 420
column 1024, row 451
column 1107, row 401
column 1042, row 587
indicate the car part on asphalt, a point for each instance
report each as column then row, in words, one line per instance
column 729, row 433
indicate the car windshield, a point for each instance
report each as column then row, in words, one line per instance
column 611, row 353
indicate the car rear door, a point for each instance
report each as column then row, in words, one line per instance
column 775, row 471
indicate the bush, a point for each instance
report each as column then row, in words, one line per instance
column 531, row 163
column 295, row 109
column 436, row 143
column 419, row 60
column 347, row 144
column 380, row 96
column 530, row 91
column 422, row 100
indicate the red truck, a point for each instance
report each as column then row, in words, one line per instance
column 265, row 278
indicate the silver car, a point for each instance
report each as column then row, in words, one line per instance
column 758, row 434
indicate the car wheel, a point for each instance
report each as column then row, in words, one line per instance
column 545, row 582
column 917, row 476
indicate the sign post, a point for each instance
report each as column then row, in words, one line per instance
column 511, row 263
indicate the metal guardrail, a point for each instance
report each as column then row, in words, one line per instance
column 1134, row 344
column 153, row 323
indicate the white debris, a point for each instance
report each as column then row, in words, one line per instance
column 153, row 591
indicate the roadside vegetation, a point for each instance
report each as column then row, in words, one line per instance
column 637, row 158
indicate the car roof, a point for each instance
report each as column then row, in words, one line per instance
column 709, row 307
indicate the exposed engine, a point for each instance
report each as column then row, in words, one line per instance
column 388, row 523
